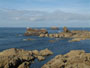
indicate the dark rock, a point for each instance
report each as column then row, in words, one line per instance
column 24, row 65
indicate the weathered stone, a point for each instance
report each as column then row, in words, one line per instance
column 56, row 35
column 40, row 58
column 24, row 65
column 35, row 52
column 54, row 28
column 19, row 58
column 65, row 34
column 65, row 29
column 42, row 35
column 35, row 32
column 45, row 52
column 73, row 59
column 46, row 35
column 51, row 35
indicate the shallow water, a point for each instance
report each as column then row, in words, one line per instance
column 13, row 38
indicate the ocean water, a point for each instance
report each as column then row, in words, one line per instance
column 13, row 38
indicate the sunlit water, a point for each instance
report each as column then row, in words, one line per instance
column 13, row 38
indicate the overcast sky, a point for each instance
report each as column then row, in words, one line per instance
column 44, row 13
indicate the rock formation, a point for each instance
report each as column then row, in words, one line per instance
column 77, row 39
column 35, row 32
column 54, row 28
column 65, row 29
column 45, row 52
column 28, row 39
column 76, row 35
column 73, row 59
column 19, row 58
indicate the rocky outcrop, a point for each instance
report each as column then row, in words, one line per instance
column 52, row 41
column 19, row 58
column 54, row 28
column 45, row 52
column 41, row 58
column 65, row 29
column 73, row 59
column 28, row 39
column 76, row 35
column 44, row 35
column 77, row 39
column 35, row 32
column 24, row 65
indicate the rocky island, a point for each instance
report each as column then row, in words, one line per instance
column 75, row 35
column 54, row 28
column 35, row 32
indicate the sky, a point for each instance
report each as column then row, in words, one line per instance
column 44, row 13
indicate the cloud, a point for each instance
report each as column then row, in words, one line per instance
column 41, row 16
column 24, row 16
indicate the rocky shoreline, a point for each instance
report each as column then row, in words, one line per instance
column 19, row 58
column 75, row 35
column 73, row 59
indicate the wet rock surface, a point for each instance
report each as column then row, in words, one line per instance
column 19, row 58
column 73, row 59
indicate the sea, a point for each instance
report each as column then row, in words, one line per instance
column 14, row 38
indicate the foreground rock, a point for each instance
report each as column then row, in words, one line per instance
column 73, row 59
column 35, row 32
column 45, row 52
column 19, row 58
